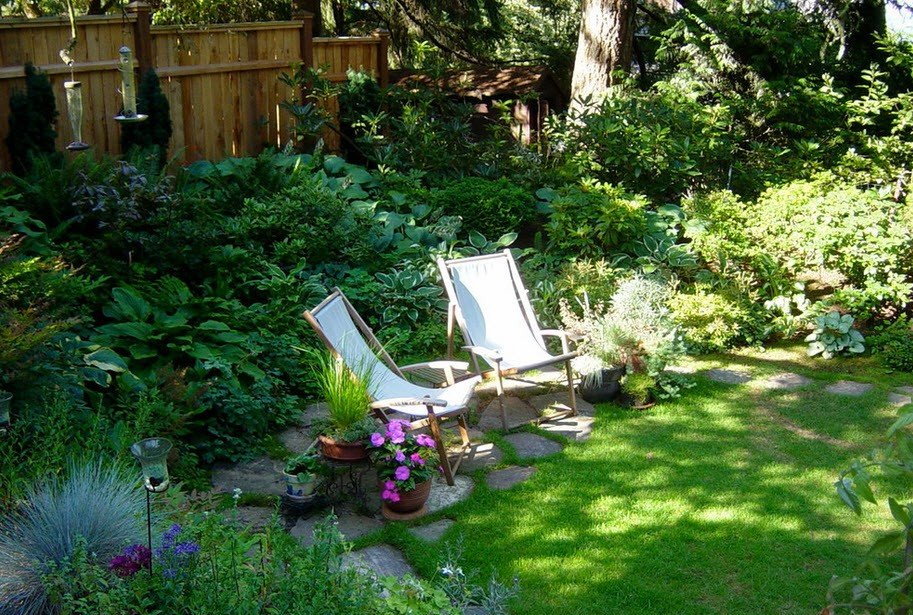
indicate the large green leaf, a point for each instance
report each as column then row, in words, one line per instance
column 129, row 304
column 106, row 359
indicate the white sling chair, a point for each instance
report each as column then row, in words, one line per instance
column 348, row 337
column 490, row 304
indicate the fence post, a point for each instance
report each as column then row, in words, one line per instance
column 306, row 38
column 302, row 7
column 142, row 33
column 383, row 76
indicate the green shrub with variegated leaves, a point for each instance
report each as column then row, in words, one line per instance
column 833, row 335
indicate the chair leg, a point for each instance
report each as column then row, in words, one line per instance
column 464, row 431
column 499, row 384
column 570, row 387
column 441, row 449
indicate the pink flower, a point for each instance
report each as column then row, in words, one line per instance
column 417, row 459
column 390, row 495
column 396, row 426
column 377, row 439
column 401, row 473
column 400, row 456
column 389, row 485
column 397, row 437
column 424, row 440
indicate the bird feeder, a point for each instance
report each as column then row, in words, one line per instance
column 128, row 88
column 74, row 111
column 6, row 399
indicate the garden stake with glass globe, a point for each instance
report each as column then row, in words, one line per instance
column 152, row 453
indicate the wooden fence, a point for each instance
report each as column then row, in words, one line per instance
column 222, row 81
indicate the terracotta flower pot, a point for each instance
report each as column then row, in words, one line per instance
column 413, row 500
column 342, row 451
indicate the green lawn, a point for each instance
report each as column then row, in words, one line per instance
column 719, row 502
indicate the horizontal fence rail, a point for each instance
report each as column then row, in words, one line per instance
column 221, row 81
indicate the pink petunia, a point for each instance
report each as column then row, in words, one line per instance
column 401, row 473
column 424, row 440
column 377, row 439
column 398, row 438
column 400, row 456
column 389, row 485
column 417, row 459
column 390, row 495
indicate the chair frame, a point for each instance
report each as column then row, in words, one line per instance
column 455, row 318
column 380, row 407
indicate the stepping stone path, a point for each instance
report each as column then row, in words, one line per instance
column 785, row 381
column 433, row 531
column 480, row 455
column 261, row 475
column 443, row 495
column 508, row 477
column 848, row 387
column 727, row 376
column 576, row 428
column 904, row 390
column 296, row 439
column 351, row 526
column 255, row 517
column 899, row 399
column 531, row 446
column 312, row 413
column 381, row 560
column 517, row 411
column 560, row 402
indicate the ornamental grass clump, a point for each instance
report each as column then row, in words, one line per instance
column 404, row 460
column 345, row 390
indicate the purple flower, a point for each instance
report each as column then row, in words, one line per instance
column 417, row 459
column 186, row 548
column 401, row 473
column 389, row 485
column 132, row 560
column 377, row 439
column 390, row 495
column 169, row 536
column 424, row 440
column 398, row 437
column 397, row 425
column 169, row 573
column 400, row 456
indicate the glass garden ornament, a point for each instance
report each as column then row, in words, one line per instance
column 128, row 88
column 74, row 111
column 152, row 453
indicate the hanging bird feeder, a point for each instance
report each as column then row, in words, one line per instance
column 128, row 88
column 74, row 111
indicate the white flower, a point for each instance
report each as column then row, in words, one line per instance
column 236, row 494
column 447, row 571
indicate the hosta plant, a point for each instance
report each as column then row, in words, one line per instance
column 833, row 335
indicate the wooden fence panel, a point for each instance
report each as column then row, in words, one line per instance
column 222, row 81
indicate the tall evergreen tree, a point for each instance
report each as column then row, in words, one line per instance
column 32, row 117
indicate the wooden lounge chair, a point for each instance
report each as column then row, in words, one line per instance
column 491, row 306
column 348, row 337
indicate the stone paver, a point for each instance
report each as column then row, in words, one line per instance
column 433, row 531
column 443, row 495
column 350, row 524
column 255, row 517
column 508, row 477
column 785, row 381
column 727, row 376
column 263, row 475
column 548, row 375
column 489, row 388
column 560, row 402
column 849, row 387
column 530, row 445
column 576, row 428
column 480, row 455
column 517, row 411
column 381, row 560
column 296, row 439
column 899, row 400
column 904, row 390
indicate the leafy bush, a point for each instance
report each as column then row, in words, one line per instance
column 714, row 319
column 95, row 503
column 491, row 207
column 834, row 334
column 894, row 344
column 590, row 278
column 592, row 220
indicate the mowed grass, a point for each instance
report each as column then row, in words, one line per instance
column 719, row 502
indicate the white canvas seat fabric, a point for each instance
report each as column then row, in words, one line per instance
column 384, row 383
column 492, row 313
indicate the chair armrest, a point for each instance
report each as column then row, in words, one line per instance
column 464, row 365
column 408, row 401
column 560, row 334
column 487, row 353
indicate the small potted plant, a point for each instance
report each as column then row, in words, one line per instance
column 301, row 473
column 406, row 463
column 637, row 389
column 343, row 433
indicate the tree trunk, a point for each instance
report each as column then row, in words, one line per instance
column 603, row 47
